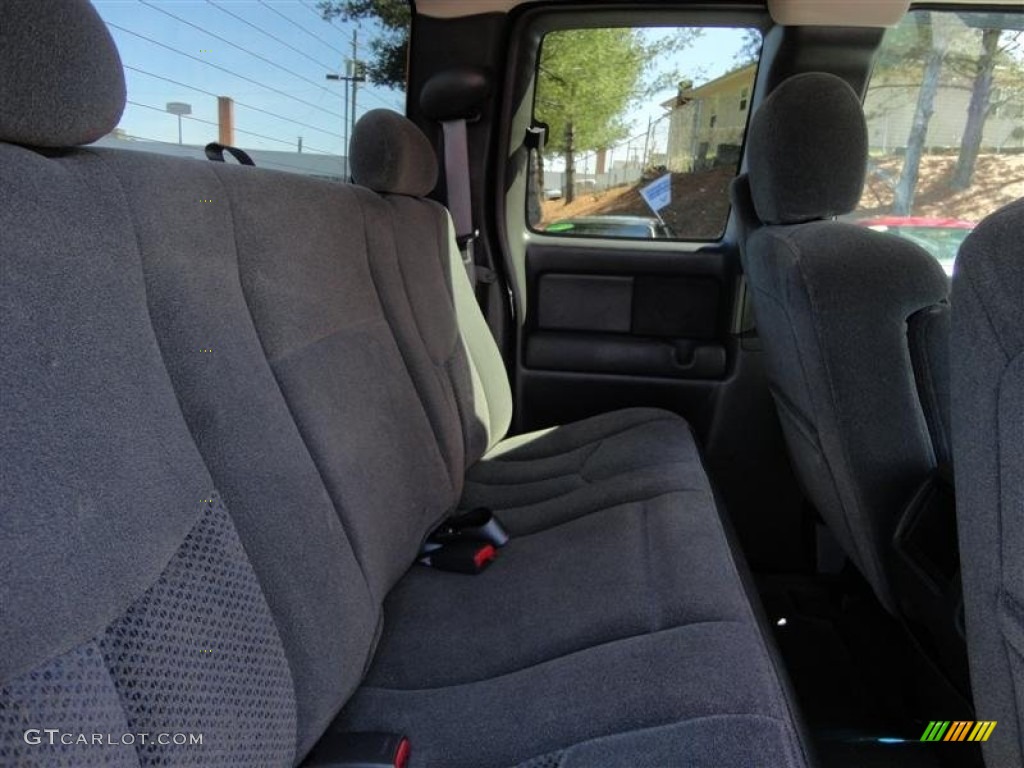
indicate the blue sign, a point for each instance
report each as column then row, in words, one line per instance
column 658, row 193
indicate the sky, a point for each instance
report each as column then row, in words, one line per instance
column 222, row 55
column 272, row 58
column 710, row 56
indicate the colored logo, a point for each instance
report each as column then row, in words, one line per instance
column 958, row 730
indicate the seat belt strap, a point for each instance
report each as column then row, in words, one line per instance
column 456, row 173
column 215, row 152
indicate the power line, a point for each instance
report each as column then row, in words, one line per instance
column 222, row 69
column 268, row 34
column 372, row 95
column 359, row 46
column 320, row 17
column 235, row 45
column 296, row 24
column 287, row 142
column 315, row 84
column 332, row 134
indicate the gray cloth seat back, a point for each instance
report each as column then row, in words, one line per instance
column 244, row 415
column 928, row 332
column 306, row 280
column 183, row 356
column 833, row 303
column 743, row 209
column 444, row 337
column 130, row 602
column 987, row 361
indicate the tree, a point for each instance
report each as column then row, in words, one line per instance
column 587, row 78
column 978, row 57
column 390, row 47
column 750, row 49
column 934, row 39
column 977, row 110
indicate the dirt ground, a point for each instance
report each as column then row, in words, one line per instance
column 699, row 207
column 998, row 180
column 700, row 201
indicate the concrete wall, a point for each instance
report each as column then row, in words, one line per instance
column 309, row 164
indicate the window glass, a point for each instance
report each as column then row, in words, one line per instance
column 284, row 80
column 946, row 138
column 645, row 130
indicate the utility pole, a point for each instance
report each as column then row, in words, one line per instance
column 355, row 72
column 647, row 142
column 357, row 76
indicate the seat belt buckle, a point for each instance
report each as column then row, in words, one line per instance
column 368, row 749
column 479, row 524
column 463, row 556
column 466, row 241
column 465, row 543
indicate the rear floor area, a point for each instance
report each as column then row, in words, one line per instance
column 866, row 689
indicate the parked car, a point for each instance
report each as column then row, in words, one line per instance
column 940, row 237
column 642, row 227
column 555, row 193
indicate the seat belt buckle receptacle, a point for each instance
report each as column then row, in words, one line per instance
column 478, row 524
column 459, row 556
column 369, row 749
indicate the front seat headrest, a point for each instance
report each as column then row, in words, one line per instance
column 391, row 155
column 808, row 150
column 61, row 81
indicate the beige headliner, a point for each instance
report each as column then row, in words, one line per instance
column 854, row 13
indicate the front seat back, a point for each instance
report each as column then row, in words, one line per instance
column 987, row 354
column 833, row 303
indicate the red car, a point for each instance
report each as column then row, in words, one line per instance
column 940, row 237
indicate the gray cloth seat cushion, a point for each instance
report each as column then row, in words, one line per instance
column 672, row 679
column 548, row 477
column 629, row 569
column 620, row 627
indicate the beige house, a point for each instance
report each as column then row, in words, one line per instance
column 890, row 111
column 706, row 123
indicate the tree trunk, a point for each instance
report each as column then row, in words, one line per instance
column 906, row 187
column 536, row 192
column 570, row 165
column 977, row 111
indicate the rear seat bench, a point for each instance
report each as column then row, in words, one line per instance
column 350, row 399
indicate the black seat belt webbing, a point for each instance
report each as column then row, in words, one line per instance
column 215, row 152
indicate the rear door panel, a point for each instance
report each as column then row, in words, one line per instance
column 609, row 327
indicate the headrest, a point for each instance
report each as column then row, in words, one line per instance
column 61, row 82
column 808, row 150
column 454, row 94
column 391, row 155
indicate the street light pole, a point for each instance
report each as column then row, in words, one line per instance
column 179, row 108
